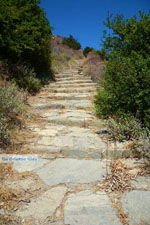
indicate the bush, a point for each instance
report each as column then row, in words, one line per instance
column 127, row 127
column 142, row 146
column 25, row 78
column 11, row 106
column 25, row 34
column 124, row 128
column 87, row 50
column 71, row 42
column 30, row 84
column 103, row 54
column 126, row 87
column 4, row 131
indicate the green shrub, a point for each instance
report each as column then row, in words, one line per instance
column 71, row 42
column 11, row 106
column 142, row 146
column 103, row 54
column 126, row 88
column 25, row 78
column 25, row 34
column 127, row 127
column 87, row 50
column 4, row 131
column 124, row 128
column 127, row 77
column 31, row 84
column 103, row 103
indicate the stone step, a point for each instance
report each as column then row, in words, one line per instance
column 81, row 118
column 74, row 142
column 72, row 104
column 90, row 208
column 68, row 72
column 68, row 96
column 87, row 81
column 73, row 90
column 77, row 77
column 76, row 122
column 67, row 75
column 73, row 85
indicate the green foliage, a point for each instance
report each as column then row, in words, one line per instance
column 25, row 34
column 71, row 42
column 125, row 127
column 87, row 50
column 25, row 78
column 4, row 131
column 142, row 146
column 103, row 54
column 11, row 106
column 128, row 35
column 126, row 87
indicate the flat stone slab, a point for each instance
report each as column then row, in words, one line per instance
column 48, row 106
column 62, row 114
column 137, row 205
column 70, row 141
column 73, row 90
column 141, row 182
column 72, row 171
column 85, row 84
column 72, row 104
column 69, row 117
column 43, row 148
column 74, row 138
column 23, row 166
column 76, row 81
column 87, row 208
column 39, row 209
column 73, row 78
column 68, row 96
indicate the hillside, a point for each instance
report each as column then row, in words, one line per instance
column 94, row 66
column 74, row 123
column 62, row 55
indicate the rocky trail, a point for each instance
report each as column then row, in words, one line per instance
column 68, row 180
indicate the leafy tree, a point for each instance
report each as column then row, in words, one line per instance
column 126, row 87
column 71, row 42
column 87, row 50
column 128, row 35
column 103, row 54
column 25, row 34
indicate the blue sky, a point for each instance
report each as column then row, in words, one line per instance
column 84, row 18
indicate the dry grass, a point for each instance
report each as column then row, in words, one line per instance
column 95, row 71
column 119, row 179
column 9, row 198
column 61, row 61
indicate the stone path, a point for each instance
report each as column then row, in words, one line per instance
column 72, row 163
